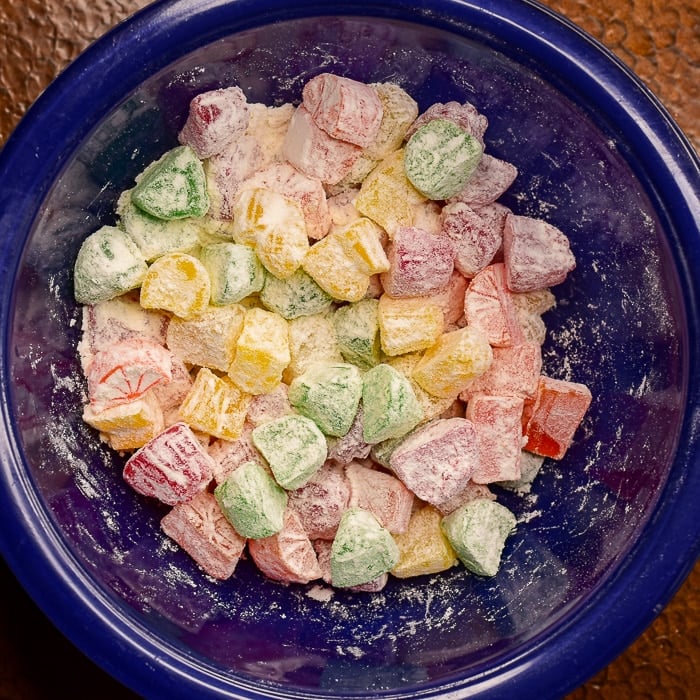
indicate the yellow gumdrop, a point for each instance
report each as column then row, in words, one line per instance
column 332, row 268
column 386, row 195
column 458, row 357
column 423, row 548
column 129, row 425
column 362, row 241
column 176, row 282
column 311, row 339
column 215, row 405
column 408, row 324
column 262, row 352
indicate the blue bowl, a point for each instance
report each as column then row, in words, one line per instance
column 607, row 535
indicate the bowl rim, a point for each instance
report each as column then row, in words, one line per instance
column 655, row 568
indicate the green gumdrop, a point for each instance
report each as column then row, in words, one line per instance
column 357, row 330
column 477, row 531
column 173, row 187
column 440, row 157
column 296, row 296
column 294, row 448
column 234, row 269
column 108, row 264
column 252, row 502
column 390, row 406
column 328, row 393
column 362, row 549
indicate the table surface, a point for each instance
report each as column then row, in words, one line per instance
column 658, row 39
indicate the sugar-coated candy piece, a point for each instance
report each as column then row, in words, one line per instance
column 345, row 109
column 173, row 467
column 390, row 406
column 108, row 264
column 228, row 455
column 201, row 529
column 176, row 282
column 536, row 253
column 262, row 352
column 408, row 324
column 352, row 445
column 399, row 111
column 127, row 426
column 451, row 300
column 323, row 551
column 469, row 493
column 127, row 370
column 313, row 151
column 423, row 548
column 321, row 501
column 490, row 180
column 362, row 549
column 208, row 339
column 530, row 466
column 387, row 196
column 362, row 240
column 529, row 307
column 235, row 271
column 267, row 127
column 267, row 407
column 515, row 371
column 420, row 263
column 293, row 446
column 381, row 494
column 437, row 460
column 432, row 406
column 440, row 157
column 153, row 236
column 311, row 339
column 456, row 359
column 476, row 234
column 478, row 531
column 172, row 393
column 553, row 416
column 215, row 118
column 252, row 501
column 215, row 405
column 226, row 172
column 328, row 393
column 335, row 270
column 488, row 306
column 298, row 295
column 307, row 191
column 274, row 225
column 173, row 187
column 288, row 555
column 357, row 330
column 463, row 114
column 498, row 423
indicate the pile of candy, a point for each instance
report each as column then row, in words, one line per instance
column 317, row 334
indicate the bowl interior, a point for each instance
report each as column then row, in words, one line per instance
column 619, row 327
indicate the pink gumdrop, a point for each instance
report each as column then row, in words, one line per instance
column 344, row 108
column 515, row 370
column 537, row 255
column 215, row 119
column 465, row 115
column 228, row 455
column 201, row 529
column 489, row 181
column 451, row 298
column 381, row 494
column 498, row 423
column 266, row 407
column 172, row 467
column 288, row 555
column 420, row 263
column 352, row 445
column 310, row 149
column 437, row 460
column 307, row 191
column 476, row 234
column 126, row 371
column 488, row 306
column 171, row 394
column 321, row 501
column 469, row 493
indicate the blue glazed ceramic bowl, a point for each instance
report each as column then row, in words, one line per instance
column 606, row 536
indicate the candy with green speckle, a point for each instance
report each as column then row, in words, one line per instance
column 298, row 295
column 234, row 270
column 357, row 331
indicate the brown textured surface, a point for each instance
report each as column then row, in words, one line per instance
column 658, row 39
